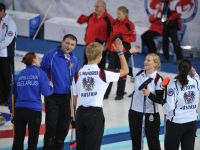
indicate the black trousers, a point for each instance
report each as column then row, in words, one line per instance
column 89, row 128
column 6, row 66
column 170, row 31
column 57, row 108
column 148, row 39
column 102, row 63
column 24, row 116
column 114, row 63
column 180, row 133
column 152, row 129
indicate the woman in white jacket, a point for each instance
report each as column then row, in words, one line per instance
column 181, row 108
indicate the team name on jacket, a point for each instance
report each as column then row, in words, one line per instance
column 90, row 85
column 31, row 80
column 182, row 102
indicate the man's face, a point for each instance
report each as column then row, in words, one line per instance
column 2, row 13
column 68, row 45
column 99, row 7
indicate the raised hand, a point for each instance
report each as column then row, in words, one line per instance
column 192, row 72
column 134, row 49
column 118, row 46
column 146, row 91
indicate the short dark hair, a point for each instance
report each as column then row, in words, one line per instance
column 2, row 7
column 70, row 36
column 28, row 58
column 123, row 9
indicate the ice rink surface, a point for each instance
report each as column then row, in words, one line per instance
column 116, row 120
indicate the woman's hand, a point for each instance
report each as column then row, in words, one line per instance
column 146, row 91
column 118, row 46
column 134, row 49
column 192, row 72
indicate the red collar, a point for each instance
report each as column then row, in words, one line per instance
column 123, row 21
column 103, row 15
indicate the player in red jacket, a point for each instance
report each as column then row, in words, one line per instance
column 124, row 29
column 155, row 28
column 171, row 19
column 99, row 25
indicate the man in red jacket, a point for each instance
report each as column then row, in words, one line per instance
column 99, row 26
column 171, row 19
column 155, row 27
column 123, row 29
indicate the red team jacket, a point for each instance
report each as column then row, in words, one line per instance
column 174, row 15
column 98, row 29
column 156, row 24
column 125, row 30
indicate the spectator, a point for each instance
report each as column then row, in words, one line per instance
column 99, row 26
column 155, row 27
column 124, row 29
column 171, row 19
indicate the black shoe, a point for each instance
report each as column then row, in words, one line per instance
column 119, row 97
column 165, row 60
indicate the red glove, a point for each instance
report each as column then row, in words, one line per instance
column 82, row 19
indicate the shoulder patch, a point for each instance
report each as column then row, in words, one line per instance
column 10, row 33
column 170, row 92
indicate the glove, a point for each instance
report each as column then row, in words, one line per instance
column 82, row 19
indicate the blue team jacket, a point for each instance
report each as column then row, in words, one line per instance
column 56, row 66
column 29, row 84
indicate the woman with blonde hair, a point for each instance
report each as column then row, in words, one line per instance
column 124, row 29
column 151, row 96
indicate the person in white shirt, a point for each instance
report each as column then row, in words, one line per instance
column 152, row 96
column 8, row 35
column 89, row 87
column 180, row 108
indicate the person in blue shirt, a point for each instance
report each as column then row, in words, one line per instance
column 57, row 64
column 29, row 84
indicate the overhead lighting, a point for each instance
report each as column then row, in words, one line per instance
column 187, row 47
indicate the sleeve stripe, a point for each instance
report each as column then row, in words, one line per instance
column 102, row 75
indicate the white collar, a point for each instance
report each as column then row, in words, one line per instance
column 151, row 75
column 91, row 65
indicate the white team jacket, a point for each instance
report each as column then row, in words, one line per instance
column 8, row 33
column 181, row 103
column 91, row 85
